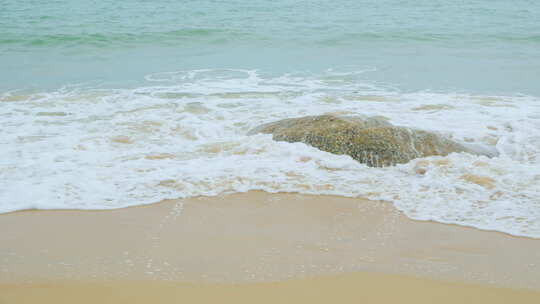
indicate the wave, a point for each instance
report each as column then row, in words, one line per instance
column 215, row 36
column 208, row 35
column 185, row 134
column 430, row 37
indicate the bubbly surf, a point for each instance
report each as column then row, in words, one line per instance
column 184, row 135
column 108, row 104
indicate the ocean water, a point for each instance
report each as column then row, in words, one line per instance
column 107, row 104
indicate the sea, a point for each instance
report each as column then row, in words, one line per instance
column 107, row 104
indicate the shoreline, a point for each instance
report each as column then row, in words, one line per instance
column 219, row 196
column 253, row 238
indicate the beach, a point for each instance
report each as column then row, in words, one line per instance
column 280, row 151
column 350, row 288
column 259, row 246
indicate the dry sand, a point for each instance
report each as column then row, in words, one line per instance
column 345, row 288
column 273, row 247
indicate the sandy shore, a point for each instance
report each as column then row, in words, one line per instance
column 345, row 288
column 269, row 246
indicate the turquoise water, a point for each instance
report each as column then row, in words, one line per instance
column 474, row 46
column 107, row 104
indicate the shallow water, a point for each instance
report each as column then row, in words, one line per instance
column 487, row 46
column 106, row 105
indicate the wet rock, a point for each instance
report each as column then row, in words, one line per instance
column 372, row 141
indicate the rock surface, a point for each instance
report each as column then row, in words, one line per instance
column 372, row 141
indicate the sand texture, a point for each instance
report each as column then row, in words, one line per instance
column 267, row 245
column 345, row 288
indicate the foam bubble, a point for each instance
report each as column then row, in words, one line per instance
column 184, row 135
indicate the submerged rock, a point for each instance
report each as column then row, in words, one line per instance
column 372, row 141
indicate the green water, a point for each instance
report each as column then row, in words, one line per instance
column 474, row 46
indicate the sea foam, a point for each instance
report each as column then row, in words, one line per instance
column 184, row 134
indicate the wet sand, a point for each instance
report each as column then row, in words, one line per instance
column 269, row 246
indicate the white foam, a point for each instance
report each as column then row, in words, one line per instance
column 185, row 135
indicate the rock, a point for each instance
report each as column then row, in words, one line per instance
column 372, row 141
